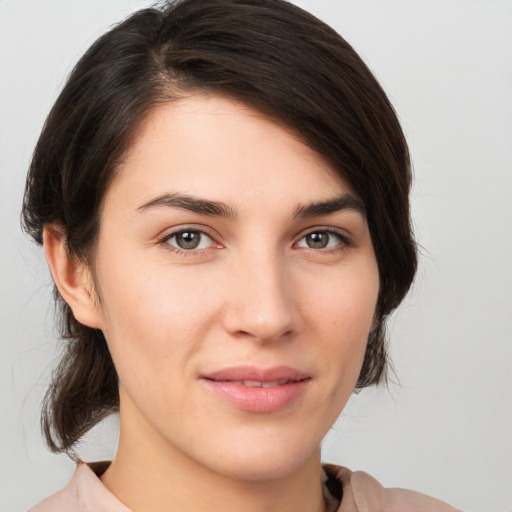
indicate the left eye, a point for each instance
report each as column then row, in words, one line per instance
column 320, row 240
column 189, row 240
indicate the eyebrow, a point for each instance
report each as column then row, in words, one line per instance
column 328, row 207
column 193, row 204
column 207, row 207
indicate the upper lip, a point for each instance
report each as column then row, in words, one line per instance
column 253, row 373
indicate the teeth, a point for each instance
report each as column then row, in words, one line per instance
column 272, row 383
column 259, row 384
column 252, row 383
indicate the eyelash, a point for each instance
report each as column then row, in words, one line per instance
column 164, row 240
column 343, row 241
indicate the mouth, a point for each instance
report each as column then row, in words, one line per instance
column 258, row 390
column 260, row 384
column 252, row 376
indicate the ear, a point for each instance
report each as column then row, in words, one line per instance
column 72, row 278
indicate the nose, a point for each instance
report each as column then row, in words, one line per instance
column 260, row 302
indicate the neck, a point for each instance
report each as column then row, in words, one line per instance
column 148, row 475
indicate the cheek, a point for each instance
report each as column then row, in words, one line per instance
column 345, row 304
column 154, row 320
column 342, row 314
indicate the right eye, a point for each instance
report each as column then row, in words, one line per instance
column 189, row 240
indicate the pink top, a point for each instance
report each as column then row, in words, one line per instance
column 360, row 493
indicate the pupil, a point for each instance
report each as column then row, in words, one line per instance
column 317, row 240
column 188, row 240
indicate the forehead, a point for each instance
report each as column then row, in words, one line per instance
column 205, row 144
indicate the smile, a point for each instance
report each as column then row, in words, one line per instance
column 258, row 390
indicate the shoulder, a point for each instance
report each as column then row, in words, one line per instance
column 84, row 493
column 363, row 493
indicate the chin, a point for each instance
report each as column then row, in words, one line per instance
column 263, row 462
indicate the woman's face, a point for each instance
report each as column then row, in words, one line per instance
column 237, row 285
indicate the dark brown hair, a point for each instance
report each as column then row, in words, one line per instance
column 268, row 54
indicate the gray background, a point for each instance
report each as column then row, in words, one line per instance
column 445, row 428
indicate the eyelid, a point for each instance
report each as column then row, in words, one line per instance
column 344, row 238
column 204, row 230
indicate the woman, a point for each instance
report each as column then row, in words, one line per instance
column 221, row 191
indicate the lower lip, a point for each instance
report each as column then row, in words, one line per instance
column 258, row 399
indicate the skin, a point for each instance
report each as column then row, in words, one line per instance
column 253, row 292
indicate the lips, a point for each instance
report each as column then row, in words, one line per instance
column 259, row 390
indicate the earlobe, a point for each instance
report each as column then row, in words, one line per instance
column 72, row 278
